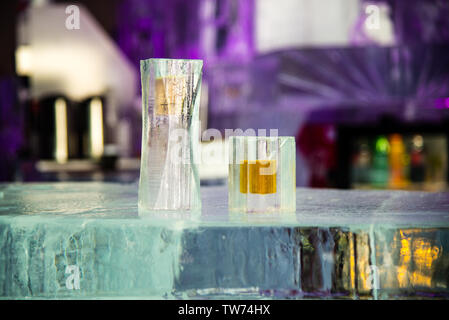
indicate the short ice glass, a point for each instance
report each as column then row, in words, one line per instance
column 262, row 174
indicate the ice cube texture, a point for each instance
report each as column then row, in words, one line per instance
column 86, row 241
column 262, row 176
column 169, row 178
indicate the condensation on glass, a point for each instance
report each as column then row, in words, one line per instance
column 169, row 179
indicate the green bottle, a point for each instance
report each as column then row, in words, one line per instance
column 380, row 170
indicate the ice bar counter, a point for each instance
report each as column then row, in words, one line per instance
column 86, row 240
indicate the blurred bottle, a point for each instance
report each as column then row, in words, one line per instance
column 399, row 161
column 380, row 171
column 417, row 165
column 436, row 161
column 362, row 163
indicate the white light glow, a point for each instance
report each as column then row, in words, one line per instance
column 61, row 152
column 76, row 64
column 24, row 63
column 77, row 71
column 96, row 128
column 284, row 24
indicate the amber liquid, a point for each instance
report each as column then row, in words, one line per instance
column 261, row 175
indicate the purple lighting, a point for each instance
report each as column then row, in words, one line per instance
column 10, row 129
column 213, row 31
column 441, row 103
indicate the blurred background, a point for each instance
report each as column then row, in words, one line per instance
column 362, row 85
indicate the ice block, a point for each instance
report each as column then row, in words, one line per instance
column 169, row 178
column 86, row 241
column 262, row 176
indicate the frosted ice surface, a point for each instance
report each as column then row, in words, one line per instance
column 86, row 240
